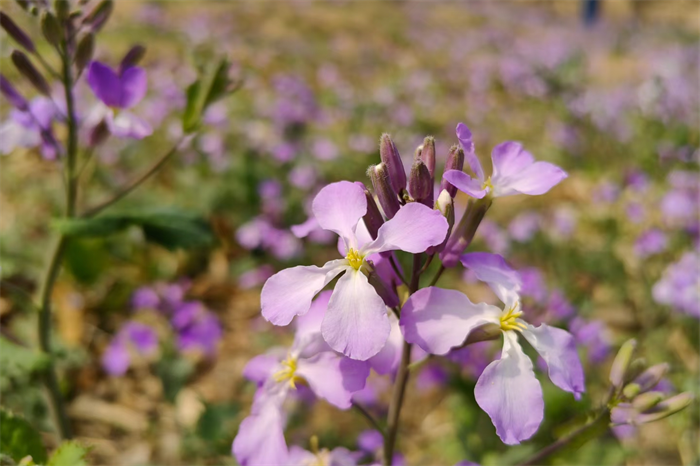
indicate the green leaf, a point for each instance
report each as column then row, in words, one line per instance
column 18, row 358
column 212, row 85
column 19, row 439
column 171, row 229
column 69, row 453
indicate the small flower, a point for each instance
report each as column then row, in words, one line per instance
column 119, row 92
column 514, row 171
column 134, row 338
column 356, row 323
column 309, row 361
column 438, row 320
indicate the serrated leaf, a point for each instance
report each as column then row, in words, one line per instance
column 19, row 439
column 14, row 357
column 69, row 453
column 169, row 228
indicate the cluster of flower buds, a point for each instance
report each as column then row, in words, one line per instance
column 638, row 394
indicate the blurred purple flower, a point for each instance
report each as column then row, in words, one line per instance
column 133, row 339
column 650, row 242
column 524, row 226
column 679, row 287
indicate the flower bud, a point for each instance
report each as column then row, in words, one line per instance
column 99, row 15
column 379, row 174
column 51, row 28
column 11, row 94
column 638, row 366
column 84, row 51
column 647, row 400
column 373, row 218
column 99, row 134
column 463, row 235
column 420, row 184
column 622, row 362
column 427, row 154
column 455, row 161
column 388, row 295
column 666, row 408
column 445, row 205
column 25, row 67
column 16, row 33
column 392, row 159
column 132, row 57
column 24, row 4
column 62, row 9
column 650, row 377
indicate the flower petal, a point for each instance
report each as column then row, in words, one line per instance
column 515, row 171
column 558, row 349
column 388, row 358
column 339, row 207
column 260, row 439
column 260, row 368
column 465, row 183
column 510, row 393
column 465, row 140
column 438, row 320
column 289, row 293
column 413, row 229
column 334, row 378
column 133, row 86
column 356, row 323
column 493, row 270
column 127, row 125
column 105, row 83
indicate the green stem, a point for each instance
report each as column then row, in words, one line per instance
column 401, row 381
column 437, row 275
column 582, row 434
column 50, row 377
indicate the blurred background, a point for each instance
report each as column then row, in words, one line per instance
column 610, row 93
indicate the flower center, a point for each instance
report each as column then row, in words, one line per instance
column 487, row 184
column 355, row 258
column 288, row 372
column 508, row 321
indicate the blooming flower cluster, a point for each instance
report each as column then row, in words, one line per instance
column 196, row 330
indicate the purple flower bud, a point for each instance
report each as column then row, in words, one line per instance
column 99, row 15
column 622, row 362
column 132, row 57
column 379, row 174
column 666, row 408
column 455, row 161
column 16, row 33
column 646, row 380
column 11, row 94
column 463, row 235
column 25, row 67
column 392, row 159
column 373, row 218
column 388, row 296
column 427, row 154
column 420, row 184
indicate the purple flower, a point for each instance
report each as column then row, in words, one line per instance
column 197, row 328
column 438, row 320
column 119, row 92
column 679, row 286
column 650, row 242
column 514, row 171
column 524, row 226
column 323, row 457
column 145, row 298
column 356, row 323
column 260, row 438
column 133, row 338
column 31, row 127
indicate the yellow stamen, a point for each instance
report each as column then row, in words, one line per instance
column 288, row 372
column 487, row 184
column 355, row 259
column 508, row 319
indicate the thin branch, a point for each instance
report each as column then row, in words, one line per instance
column 360, row 409
column 427, row 264
column 394, row 265
column 134, row 184
column 437, row 275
